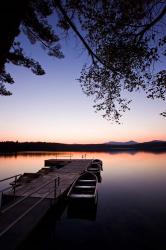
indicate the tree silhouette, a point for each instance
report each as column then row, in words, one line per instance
column 31, row 18
column 124, row 38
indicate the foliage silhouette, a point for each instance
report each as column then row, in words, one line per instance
column 124, row 38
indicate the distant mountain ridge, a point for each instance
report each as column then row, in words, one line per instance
column 121, row 143
column 154, row 141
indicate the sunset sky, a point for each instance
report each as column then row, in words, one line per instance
column 53, row 107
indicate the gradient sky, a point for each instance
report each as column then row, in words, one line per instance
column 53, row 108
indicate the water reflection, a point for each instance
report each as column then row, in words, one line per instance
column 131, row 208
column 82, row 210
column 99, row 177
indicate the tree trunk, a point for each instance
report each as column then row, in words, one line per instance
column 11, row 15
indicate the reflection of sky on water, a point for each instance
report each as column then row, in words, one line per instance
column 118, row 167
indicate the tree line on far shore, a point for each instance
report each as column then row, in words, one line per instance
column 14, row 147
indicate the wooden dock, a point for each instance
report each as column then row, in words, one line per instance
column 34, row 198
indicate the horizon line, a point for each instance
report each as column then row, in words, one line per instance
column 17, row 141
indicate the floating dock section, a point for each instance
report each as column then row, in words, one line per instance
column 33, row 196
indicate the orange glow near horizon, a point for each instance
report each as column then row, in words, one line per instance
column 82, row 141
column 80, row 129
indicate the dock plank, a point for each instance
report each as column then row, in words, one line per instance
column 67, row 175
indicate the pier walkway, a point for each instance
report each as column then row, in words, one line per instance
column 34, row 198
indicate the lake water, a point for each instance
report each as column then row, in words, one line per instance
column 131, row 207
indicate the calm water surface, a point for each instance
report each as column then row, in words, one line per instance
column 131, row 207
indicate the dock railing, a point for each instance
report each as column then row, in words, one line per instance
column 10, row 187
column 55, row 185
column 64, row 155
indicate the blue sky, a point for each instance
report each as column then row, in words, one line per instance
column 53, row 107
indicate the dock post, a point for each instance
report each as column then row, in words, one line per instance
column 1, row 195
column 58, row 180
column 55, row 189
column 14, row 187
column 56, row 185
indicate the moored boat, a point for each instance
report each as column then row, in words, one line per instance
column 84, row 188
column 94, row 168
column 97, row 161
